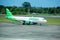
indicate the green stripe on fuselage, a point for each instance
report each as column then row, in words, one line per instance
column 33, row 18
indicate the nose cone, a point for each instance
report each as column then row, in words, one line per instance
column 45, row 20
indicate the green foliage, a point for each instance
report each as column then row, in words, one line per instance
column 28, row 9
column 26, row 4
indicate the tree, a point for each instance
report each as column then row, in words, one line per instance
column 27, row 6
column 2, row 9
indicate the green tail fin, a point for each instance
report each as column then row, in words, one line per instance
column 8, row 13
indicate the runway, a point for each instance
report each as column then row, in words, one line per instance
column 13, row 31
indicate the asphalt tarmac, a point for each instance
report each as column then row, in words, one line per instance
column 13, row 31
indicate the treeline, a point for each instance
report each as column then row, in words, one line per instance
column 30, row 10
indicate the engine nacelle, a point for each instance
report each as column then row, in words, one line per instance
column 26, row 22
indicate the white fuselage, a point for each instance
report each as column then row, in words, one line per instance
column 31, row 19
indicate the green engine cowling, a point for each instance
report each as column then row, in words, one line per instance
column 27, row 22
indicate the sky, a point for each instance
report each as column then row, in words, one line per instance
column 34, row 3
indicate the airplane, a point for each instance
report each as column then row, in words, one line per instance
column 25, row 20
